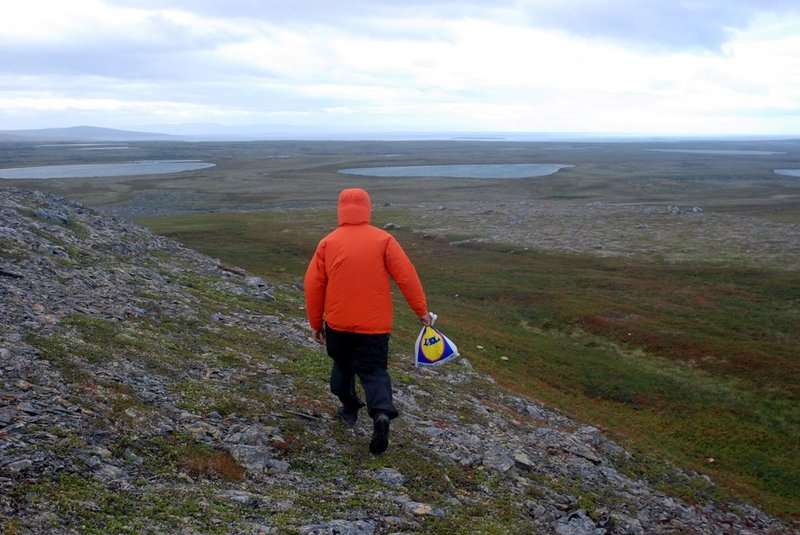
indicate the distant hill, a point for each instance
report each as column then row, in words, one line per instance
column 83, row 133
column 5, row 136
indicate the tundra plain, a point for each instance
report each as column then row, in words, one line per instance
column 651, row 290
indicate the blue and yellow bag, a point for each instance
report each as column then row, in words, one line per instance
column 433, row 347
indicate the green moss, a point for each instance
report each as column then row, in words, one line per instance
column 87, row 506
column 665, row 477
column 12, row 250
column 204, row 396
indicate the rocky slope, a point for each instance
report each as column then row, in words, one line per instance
column 145, row 388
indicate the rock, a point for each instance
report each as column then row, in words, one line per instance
column 54, row 215
column 16, row 467
column 339, row 527
column 109, row 472
column 497, row 460
column 29, row 408
column 241, row 497
column 627, row 525
column 277, row 466
column 590, row 434
column 578, row 523
column 256, row 281
column 536, row 412
column 422, row 509
column 23, row 385
column 391, row 477
column 258, row 435
column 4, row 273
column 7, row 415
column 254, row 459
column 523, row 461
column 105, row 453
column 204, row 430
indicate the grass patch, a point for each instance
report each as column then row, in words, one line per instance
column 13, row 250
column 203, row 396
column 202, row 461
column 87, row 506
column 282, row 251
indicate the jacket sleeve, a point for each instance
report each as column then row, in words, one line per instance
column 315, row 284
column 405, row 276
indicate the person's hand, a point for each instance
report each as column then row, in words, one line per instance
column 319, row 336
column 426, row 320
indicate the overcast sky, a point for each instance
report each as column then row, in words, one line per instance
column 619, row 66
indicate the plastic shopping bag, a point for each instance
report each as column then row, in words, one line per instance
column 433, row 347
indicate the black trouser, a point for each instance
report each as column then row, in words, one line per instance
column 365, row 355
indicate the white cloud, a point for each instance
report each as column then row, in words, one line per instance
column 521, row 65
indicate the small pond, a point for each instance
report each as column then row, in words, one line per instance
column 510, row 170
column 92, row 170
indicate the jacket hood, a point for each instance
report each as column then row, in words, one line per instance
column 355, row 207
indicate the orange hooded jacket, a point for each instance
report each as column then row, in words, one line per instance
column 347, row 282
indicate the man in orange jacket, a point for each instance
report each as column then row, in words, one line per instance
column 349, row 307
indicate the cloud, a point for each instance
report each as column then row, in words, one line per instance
column 339, row 13
column 610, row 65
column 100, row 41
column 676, row 24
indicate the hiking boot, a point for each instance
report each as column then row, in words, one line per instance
column 380, row 434
column 348, row 416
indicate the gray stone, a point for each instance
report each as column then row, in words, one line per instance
column 240, row 496
column 496, row 459
column 16, row 467
column 578, row 523
column 422, row 509
column 29, row 408
column 56, row 216
column 391, row 477
column 255, row 459
column 7, row 415
column 110, row 472
column 590, row 434
column 523, row 461
column 339, row 527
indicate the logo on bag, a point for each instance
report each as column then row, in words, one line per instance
column 432, row 345
column 431, row 340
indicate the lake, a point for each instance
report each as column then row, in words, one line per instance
column 787, row 172
column 92, row 170
column 510, row 170
column 720, row 152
